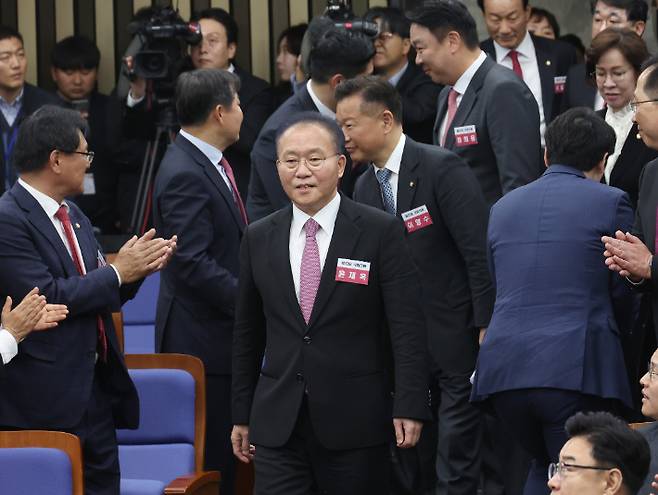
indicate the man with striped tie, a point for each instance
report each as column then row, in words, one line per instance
column 195, row 195
column 329, row 342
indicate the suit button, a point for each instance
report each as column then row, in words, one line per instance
column 300, row 377
column 307, row 339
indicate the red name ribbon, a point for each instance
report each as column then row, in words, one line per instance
column 466, row 136
column 559, row 83
column 417, row 219
column 352, row 271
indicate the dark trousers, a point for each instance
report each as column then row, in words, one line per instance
column 536, row 418
column 219, row 453
column 303, row 466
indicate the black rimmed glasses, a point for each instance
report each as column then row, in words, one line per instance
column 89, row 155
column 560, row 468
column 635, row 104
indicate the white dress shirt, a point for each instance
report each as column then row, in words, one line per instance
column 530, row 69
column 621, row 121
column 462, row 85
column 11, row 110
column 322, row 108
column 395, row 79
column 599, row 102
column 211, row 153
column 8, row 345
column 326, row 218
column 393, row 164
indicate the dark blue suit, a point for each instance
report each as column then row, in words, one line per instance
column 54, row 381
column 554, row 324
column 198, row 288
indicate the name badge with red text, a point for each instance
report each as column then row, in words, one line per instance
column 352, row 271
column 416, row 219
column 559, row 83
column 466, row 136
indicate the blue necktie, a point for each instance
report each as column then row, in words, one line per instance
column 383, row 176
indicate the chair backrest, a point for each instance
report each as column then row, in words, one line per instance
column 141, row 309
column 40, row 462
column 171, row 437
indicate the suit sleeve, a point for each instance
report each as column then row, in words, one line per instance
column 248, row 338
column 23, row 267
column 465, row 213
column 401, row 292
column 185, row 211
column 638, row 231
column 513, row 124
column 624, row 300
column 264, row 177
column 256, row 112
column 419, row 104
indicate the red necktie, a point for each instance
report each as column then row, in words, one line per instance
column 236, row 194
column 516, row 66
column 63, row 216
column 452, row 110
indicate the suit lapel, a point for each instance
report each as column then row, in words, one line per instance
column 408, row 180
column 629, row 154
column 369, row 192
column 442, row 108
column 546, row 66
column 279, row 249
column 344, row 239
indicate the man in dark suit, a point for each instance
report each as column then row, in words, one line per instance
column 18, row 99
column 327, row 70
column 75, row 72
column 316, row 350
column 439, row 201
column 485, row 113
column 553, row 347
column 391, row 60
column 73, row 377
column 632, row 14
column 541, row 63
column 195, row 195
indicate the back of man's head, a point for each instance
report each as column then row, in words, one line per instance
column 579, row 138
column 49, row 128
column 444, row 16
column 636, row 10
column 339, row 51
column 75, row 53
column 199, row 91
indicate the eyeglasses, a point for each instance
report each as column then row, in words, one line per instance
column 616, row 76
column 89, row 155
column 560, row 468
column 635, row 104
column 652, row 371
column 313, row 162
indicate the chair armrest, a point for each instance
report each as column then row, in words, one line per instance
column 201, row 483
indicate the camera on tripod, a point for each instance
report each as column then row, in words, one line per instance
column 340, row 11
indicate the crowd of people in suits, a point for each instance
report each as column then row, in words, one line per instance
column 422, row 263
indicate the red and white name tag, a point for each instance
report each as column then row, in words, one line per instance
column 352, row 271
column 466, row 136
column 559, row 83
column 416, row 219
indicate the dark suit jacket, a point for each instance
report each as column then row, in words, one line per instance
column 554, row 322
column 506, row 118
column 650, row 433
column 49, row 383
column 457, row 291
column 554, row 58
column 342, row 358
column 33, row 99
column 579, row 92
column 265, row 191
column 630, row 163
column 257, row 105
column 197, row 289
column 419, row 95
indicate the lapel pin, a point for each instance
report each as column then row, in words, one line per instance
column 412, row 184
column 548, row 62
column 77, row 225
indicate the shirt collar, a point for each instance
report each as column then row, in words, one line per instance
column 322, row 108
column 526, row 48
column 211, row 153
column 49, row 205
column 393, row 162
column 326, row 217
column 231, row 68
column 395, row 79
column 465, row 79
column 17, row 101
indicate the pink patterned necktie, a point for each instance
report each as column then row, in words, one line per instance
column 236, row 194
column 452, row 110
column 309, row 279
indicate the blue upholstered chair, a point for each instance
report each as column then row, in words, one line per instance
column 165, row 454
column 40, row 462
column 139, row 317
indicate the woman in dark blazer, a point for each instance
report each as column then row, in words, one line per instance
column 613, row 61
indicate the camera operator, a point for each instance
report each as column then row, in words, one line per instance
column 75, row 71
column 217, row 50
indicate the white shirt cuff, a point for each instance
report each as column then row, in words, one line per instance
column 117, row 272
column 131, row 102
column 8, row 345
